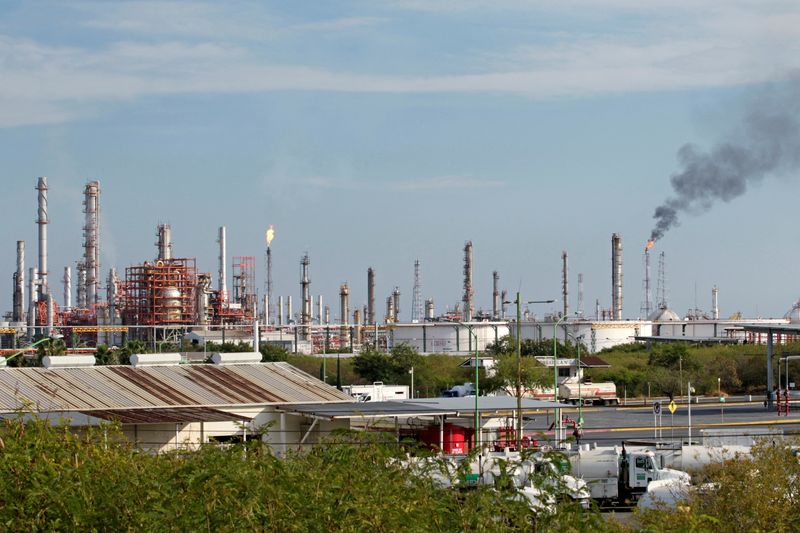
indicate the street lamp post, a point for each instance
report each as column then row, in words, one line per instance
column 555, row 378
column 477, row 414
column 578, row 340
column 518, row 383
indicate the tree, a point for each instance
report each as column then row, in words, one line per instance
column 273, row 352
column 373, row 365
column 504, row 375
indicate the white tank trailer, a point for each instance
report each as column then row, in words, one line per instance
column 618, row 476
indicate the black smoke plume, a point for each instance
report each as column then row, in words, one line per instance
column 766, row 143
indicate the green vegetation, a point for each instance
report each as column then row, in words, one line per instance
column 740, row 368
column 758, row 493
column 54, row 480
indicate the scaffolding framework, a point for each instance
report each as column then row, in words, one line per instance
column 244, row 284
column 160, row 293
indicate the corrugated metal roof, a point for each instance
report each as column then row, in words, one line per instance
column 124, row 387
column 166, row 415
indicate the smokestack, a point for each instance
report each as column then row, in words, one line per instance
column 715, row 302
column 222, row 283
column 164, row 243
column 266, row 310
column 503, row 300
column 81, row 285
column 320, row 318
column 327, row 314
column 269, row 272
column 280, row 311
column 91, row 241
column 597, row 309
column 616, row 276
column 647, row 304
column 429, row 309
column 305, row 284
column 344, row 296
column 581, row 310
column 364, row 316
column 203, row 290
column 389, row 310
column 468, row 292
column 289, row 310
column 19, row 284
column 396, row 303
column 357, row 324
column 42, row 221
column 495, row 296
column 32, row 281
column 565, row 281
column 67, row 287
column 370, row 296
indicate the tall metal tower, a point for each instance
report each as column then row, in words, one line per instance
column 91, row 241
column 468, row 292
column 269, row 235
column 565, row 281
column 416, row 303
column 647, row 301
column 661, row 287
column 581, row 310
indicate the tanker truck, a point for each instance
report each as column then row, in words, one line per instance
column 616, row 476
column 571, row 391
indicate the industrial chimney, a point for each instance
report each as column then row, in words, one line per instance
column 42, row 221
column 91, row 241
column 616, row 276
column 164, row 243
column 305, row 284
column 67, row 287
column 495, row 296
column 715, row 302
column 396, row 303
column 468, row 292
column 344, row 296
column 370, row 296
column 565, row 281
column 19, row 284
column 222, row 283
column 429, row 309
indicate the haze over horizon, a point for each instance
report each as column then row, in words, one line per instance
column 373, row 135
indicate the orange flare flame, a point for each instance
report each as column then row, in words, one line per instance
column 270, row 234
column 650, row 244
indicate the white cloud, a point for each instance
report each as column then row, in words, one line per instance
column 48, row 83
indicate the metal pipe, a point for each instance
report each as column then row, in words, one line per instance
column 280, row 311
column 223, row 274
column 42, row 221
column 320, row 318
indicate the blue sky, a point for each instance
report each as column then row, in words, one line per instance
column 375, row 133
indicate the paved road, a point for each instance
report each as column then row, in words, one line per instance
column 611, row 425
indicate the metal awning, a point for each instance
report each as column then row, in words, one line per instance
column 167, row 415
column 346, row 411
column 487, row 405
column 774, row 328
column 681, row 338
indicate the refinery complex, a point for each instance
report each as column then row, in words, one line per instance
column 168, row 298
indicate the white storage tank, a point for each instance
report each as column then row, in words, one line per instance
column 155, row 359
column 68, row 361
column 235, row 358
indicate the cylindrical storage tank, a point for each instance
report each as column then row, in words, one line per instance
column 155, row 359
column 68, row 361
column 171, row 301
column 235, row 358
